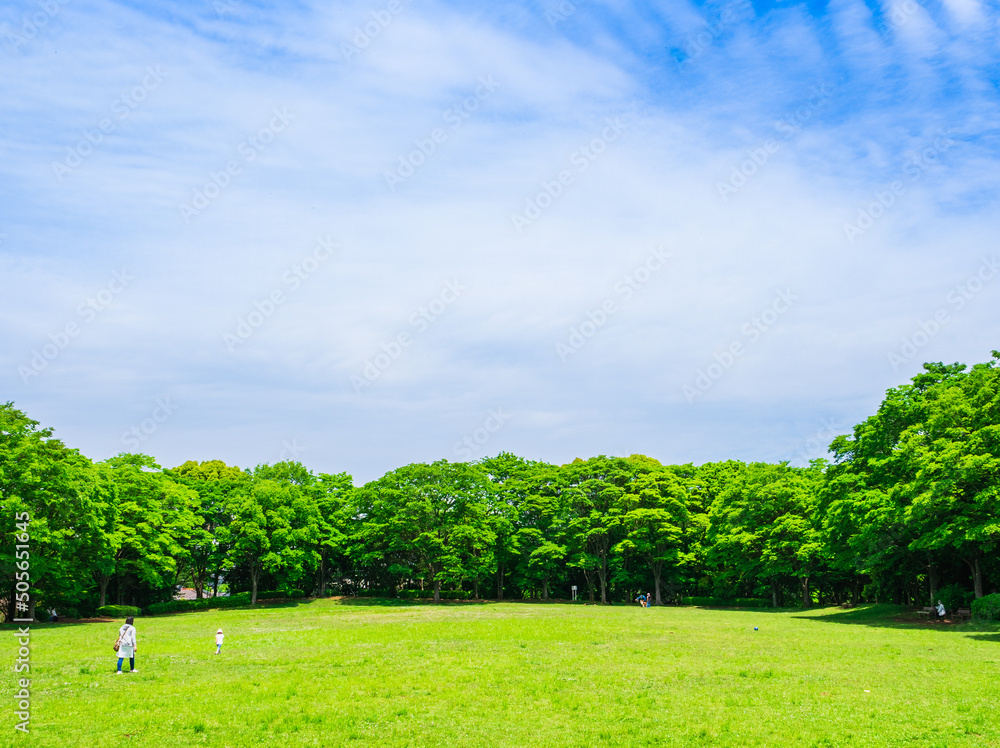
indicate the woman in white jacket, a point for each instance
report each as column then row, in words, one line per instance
column 127, row 645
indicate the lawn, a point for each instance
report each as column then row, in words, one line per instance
column 330, row 673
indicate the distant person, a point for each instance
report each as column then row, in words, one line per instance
column 649, row 599
column 127, row 645
column 940, row 610
column 53, row 616
column 641, row 600
column 219, row 636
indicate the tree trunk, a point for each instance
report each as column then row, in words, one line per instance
column 499, row 581
column 322, row 575
column 856, row 591
column 805, row 592
column 437, row 590
column 977, row 577
column 589, row 576
column 657, row 574
column 475, row 588
column 602, row 572
column 545, row 589
column 932, row 580
column 774, row 593
column 215, row 587
column 103, row 582
column 254, row 576
column 198, row 587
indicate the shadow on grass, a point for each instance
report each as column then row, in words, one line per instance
column 985, row 637
column 393, row 602
column 901, row 617
column 35, row 625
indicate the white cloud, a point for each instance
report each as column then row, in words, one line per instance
column 689, row 126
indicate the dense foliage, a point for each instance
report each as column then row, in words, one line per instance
column 905, row 513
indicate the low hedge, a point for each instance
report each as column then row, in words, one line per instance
column 727, row 602
column 374, row 593
column 987, row 607
column 118, row 611
column 211, row 603
column 180, row 606
column 429, row 594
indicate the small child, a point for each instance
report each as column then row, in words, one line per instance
column 219, row 636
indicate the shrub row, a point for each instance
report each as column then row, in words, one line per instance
column 724, row 602
column 987, row 607
column 233, row 601
column 118, row 611
column 429, row 594
column 179, row 606
column 374, row 593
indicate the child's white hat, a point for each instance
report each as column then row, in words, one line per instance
column 219, row 631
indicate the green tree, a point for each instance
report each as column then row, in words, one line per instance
column 56, row 487
column 594, row 489
column 654, row 513
column 429, row 518
column 147, row 520
column 214, row 482
column 763, row 527
column 956, row 488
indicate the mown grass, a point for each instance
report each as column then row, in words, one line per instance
column 330, row 673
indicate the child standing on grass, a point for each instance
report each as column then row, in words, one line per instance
column 219, row 636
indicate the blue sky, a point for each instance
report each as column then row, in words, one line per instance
column 366, row 234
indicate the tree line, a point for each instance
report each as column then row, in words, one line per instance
column 906, row 511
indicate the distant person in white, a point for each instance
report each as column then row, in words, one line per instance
column 127, row 645
column 219, row 636
column 940, row 610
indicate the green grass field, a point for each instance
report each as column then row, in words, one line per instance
column 329, row 673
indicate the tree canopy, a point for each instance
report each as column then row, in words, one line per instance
column 907, row 505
